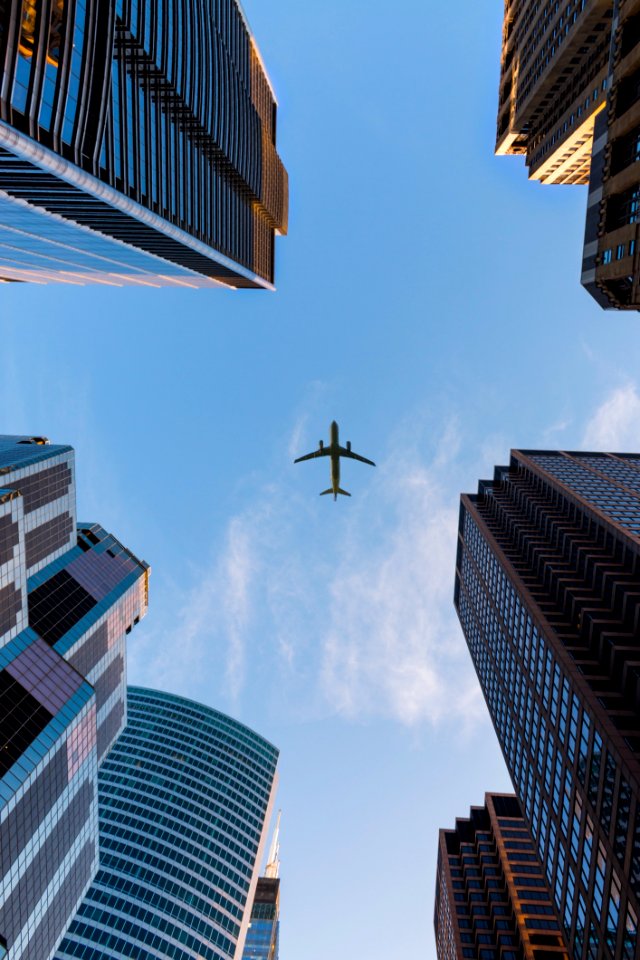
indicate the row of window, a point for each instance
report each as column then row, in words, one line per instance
column 494, row 660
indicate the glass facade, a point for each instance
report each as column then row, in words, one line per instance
column 491, row 900
column 184, row 797
column 547, row 592
column 69, row 593
column 262, row 941
column 137, row 144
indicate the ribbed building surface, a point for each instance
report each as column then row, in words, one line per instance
column 548, row 595
column 137, row 144
column 491, row 901
column 553, row 81
column 69, row 593
column 611, row 269
column 185, row 796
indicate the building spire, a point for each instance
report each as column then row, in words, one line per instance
column 273, row 863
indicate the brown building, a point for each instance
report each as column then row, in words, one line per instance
column 491, row 898
column 569, row 102
column 610, row 269
column 553, row 78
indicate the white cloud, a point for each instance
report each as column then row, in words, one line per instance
column 206, row 640
column 615, row 425
column 237, row 568
column 393, row 645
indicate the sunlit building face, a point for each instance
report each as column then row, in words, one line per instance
column 137, row 145
column 491, row 897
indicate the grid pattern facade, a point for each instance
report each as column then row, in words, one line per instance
column 138, row 123
column 262, row 941
column 491, row 900
column 53, row 721
column 553, row 78
column 185, row 796
column 610, row 269
column 548, row 593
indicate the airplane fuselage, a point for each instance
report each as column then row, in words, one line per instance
column 334, row 449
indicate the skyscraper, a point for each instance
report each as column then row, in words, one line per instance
column 263, row 935
column 137, row 145
column 185, row 797
column 553, row 78
column 491, row 899
column 69, row 593
column 548, row 594
column 610, row 268
column 569, row 101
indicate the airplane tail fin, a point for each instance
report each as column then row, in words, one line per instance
column 345, row 493
column 340, row 490
column 324, row 492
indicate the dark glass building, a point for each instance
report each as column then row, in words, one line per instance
column 491, row 898
column 263, row 935
column 137, row 144
column 185, row 797
column 69, row 594
column 548, row 595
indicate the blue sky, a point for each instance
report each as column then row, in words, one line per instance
column 429, row 300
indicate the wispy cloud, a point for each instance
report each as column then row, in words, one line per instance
column 392, row 645
column 615, row 425
column 204, row 643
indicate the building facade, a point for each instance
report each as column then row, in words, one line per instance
column 263, row 934
column 610, row 268
column 185, row 797
column 69, row 594
column 137, row 145
column 548, row 594
column 491, row 900
column 553, row 82
column 569, row 101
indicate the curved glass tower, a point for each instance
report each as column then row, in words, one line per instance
column 184, row 800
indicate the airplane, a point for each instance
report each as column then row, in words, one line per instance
column 335, row 451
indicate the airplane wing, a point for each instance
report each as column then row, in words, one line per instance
column 322, row 452
column 355, row 456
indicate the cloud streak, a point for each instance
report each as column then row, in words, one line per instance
column 615, row 425
column 393, row 646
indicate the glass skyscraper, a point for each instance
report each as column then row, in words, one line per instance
column 548, row 595
column 491, row 899
column 263, row 935
column 137, row 145
column 69, row 594
column 185, row 797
